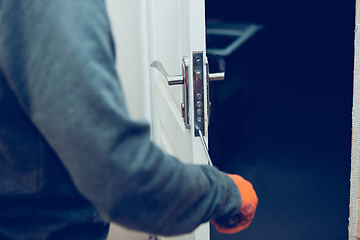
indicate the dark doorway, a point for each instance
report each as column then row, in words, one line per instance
column 282, row 117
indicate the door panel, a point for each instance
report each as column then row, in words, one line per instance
column 129, row 26
column 169, row 129
column 164, row 17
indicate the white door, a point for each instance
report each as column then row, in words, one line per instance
column 177, row 31
column 167, row 31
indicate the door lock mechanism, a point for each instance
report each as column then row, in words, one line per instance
column 201, row 81
column 176, row 80
column 201, row 76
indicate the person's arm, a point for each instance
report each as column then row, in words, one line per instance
column 58, row 58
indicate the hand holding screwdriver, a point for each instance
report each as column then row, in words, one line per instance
column 249, row 203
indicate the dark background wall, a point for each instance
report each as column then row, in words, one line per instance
column 282, row 117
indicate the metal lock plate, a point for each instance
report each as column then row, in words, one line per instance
column 198, row 88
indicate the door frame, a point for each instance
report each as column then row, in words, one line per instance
column 354, row 218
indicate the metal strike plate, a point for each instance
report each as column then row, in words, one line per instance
column 198, row 88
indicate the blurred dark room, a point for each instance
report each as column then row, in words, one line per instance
column 282, row 116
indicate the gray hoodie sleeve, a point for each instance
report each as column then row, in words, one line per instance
column 58, row 58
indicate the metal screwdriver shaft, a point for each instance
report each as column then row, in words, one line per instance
column 206, row 148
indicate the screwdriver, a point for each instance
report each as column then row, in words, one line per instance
column 206, row 148
column 225, row 222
